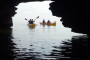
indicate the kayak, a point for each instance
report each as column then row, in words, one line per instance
column 32, row 25
column 54, row 23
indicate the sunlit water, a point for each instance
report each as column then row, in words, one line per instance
column 38, row 42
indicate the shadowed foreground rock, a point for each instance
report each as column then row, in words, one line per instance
column 74, row 13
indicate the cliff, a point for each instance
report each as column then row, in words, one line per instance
column 74, row 13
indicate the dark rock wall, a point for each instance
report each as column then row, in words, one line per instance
column 7, row 11
column 74, row 13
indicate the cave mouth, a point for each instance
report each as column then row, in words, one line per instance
column 31, row 10
column 71, row 12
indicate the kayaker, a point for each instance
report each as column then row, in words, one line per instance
column 32, row 21
column 48, row 22
column 43, row 21
column 29, row 21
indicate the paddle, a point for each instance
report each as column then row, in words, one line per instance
column 36, row 18
column 25, row 19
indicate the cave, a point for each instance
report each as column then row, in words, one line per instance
column 74, row 13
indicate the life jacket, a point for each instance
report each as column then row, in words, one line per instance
column 43, row 21
column 31, row 22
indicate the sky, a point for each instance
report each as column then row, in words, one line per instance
column 31, row 10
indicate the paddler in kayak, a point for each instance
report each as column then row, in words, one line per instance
column 29, row 21
column 32, row 21
column 48, row 22
column 43, row 21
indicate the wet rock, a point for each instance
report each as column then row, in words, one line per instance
column 74, row 13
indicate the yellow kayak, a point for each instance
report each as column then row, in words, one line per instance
column 32, row 25
column 54, row 23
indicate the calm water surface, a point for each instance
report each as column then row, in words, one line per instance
column 40, row 42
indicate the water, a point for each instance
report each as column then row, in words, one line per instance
column 40, row 42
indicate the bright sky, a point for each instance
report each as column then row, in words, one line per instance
column 31, row 10
column 36, row 7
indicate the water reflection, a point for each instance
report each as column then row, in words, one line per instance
column 76, row 48
column 42, row 25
